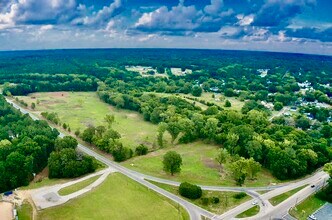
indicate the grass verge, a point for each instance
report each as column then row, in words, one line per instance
column 118, row 197
column 78, row 186
column 25, row 211
column 282, row 197
column 306, row 207
column 250, row 212
column 227, row 200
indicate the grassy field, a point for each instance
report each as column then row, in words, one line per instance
column 207, row 96
column 78, row 186
column 117, row 198
column 306, row 208
column 25, row 211
column 227, row 200
column 250, row 212
column 199, row 166
column 81, row 109
column 282, row 197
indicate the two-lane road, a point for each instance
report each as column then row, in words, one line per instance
column 267, row 211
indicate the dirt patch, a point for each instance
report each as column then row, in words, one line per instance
column 132, row 115
column 6, row 211
column 40, row 176
column 208, row 162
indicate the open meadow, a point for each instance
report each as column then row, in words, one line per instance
column 117, row 198
column 81, row 109
column 199, row 166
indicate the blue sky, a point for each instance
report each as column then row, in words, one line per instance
column 302, row 26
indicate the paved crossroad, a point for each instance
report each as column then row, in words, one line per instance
column 267, row 211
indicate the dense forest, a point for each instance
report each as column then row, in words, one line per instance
column 24, row 147
column 289, row 146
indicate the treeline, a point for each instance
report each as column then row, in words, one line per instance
column 25, row 146
column 287, row 151
column 23, row 84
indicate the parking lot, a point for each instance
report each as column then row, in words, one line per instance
column 324, row 213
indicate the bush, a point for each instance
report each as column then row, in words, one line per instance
column 141, row 150
column 190, row 191
column 205, row 201
column 228, row 104
column 215, row 200
column 240, row 195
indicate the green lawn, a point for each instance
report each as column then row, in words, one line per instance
column 227, row 200
column 306, row 207
column 199, row 166
column 282, row 197
column 250, row 212
column 118, row 197
column 78, row 186
column 25, row 211
column 81, row 109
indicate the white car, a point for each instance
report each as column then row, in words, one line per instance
column 254, row 202
column 312, row 217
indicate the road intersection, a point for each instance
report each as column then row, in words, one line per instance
column 267, row 211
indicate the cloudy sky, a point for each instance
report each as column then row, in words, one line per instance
column 303, row 26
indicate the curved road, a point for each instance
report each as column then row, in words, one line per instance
column 267, row 211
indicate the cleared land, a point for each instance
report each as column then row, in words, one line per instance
column 117, row 198
column 282, row 197
column 81, row 109
column 6, row 212
column 227, row 200
column 306, row 207
column 250, row 212
column 78, row 186
column 199, row 166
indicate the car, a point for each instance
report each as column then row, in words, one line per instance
column 312, row 217
column 254, row 202
column 312, row 186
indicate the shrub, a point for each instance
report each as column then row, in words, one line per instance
column 141, row 150
column 215, row 200
column 240, row 195
column 205, row 201
column 190, row 191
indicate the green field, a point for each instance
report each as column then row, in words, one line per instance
column 282, row 197
column 81, row 109
column 117, row 198
column 227, row 200
column 78, row 186
column 207, row 96
column 306, row 207
column 199, row 166
column 250, row 212
column 24, row 212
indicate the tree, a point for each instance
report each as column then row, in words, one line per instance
column 228, row 103
column 161, row 130
column 141, row 150
column 196, row 91
column 172, row 162
column 278, row 106
column 190, row 191
column 210, row 128
column 65, row 142
column 222, row 157
column 253, row 168
column 239, row 170
column 33, row 105
column 110, row 119
column 302, row 122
